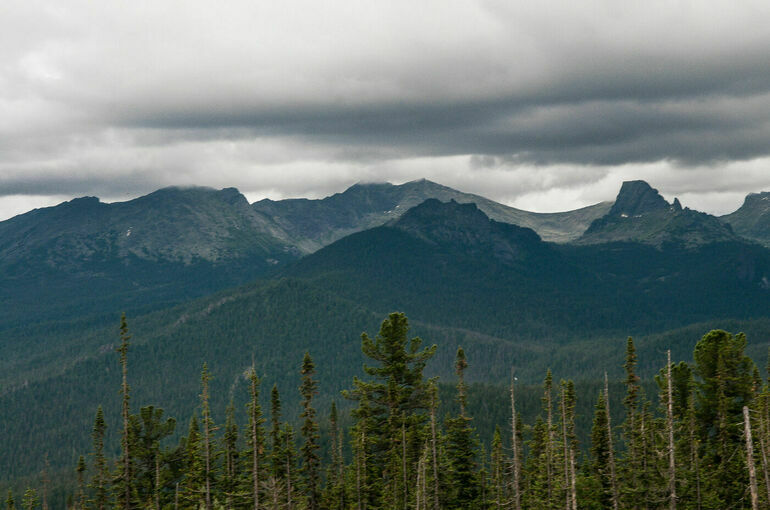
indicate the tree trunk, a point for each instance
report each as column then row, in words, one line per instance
column 567, row 448
column 157, row 480
column 670, row 430
column 573, row 484
column 763, row 441
column 515, row 446
column 207, row 435
column 433, row 406
column 358, row 472
column 613, row 479
column 403, row 461
column 750, row 459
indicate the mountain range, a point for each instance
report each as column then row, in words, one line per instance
column 207, row 277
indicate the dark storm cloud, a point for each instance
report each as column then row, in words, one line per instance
column 712, row 112
column 298, row 98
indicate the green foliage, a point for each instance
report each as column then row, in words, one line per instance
column 310, row 459
column 389, row 464
column 725, row 384
column 394, row 402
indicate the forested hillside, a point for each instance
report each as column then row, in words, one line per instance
column 399, row 442
column 498, row 290
column 509, row 298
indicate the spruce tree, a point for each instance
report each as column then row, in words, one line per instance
column 123, row 483
column 148, row 429
column 310, row 459
column 461, row 448
column 516, row 461
column 394, row 417
column 725, row 385
column 289, row 459
column 275, row 433
column 631, row 489
column 335, row 479
column 256, row 437
column 100, row 480
column 30, row 500
column 193, row 482
column 81, row 496
column 230, row 472
column 207, row 439
column 10, row 504
column 498, row 469
column 600, row 452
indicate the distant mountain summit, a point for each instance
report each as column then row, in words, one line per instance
column 465, row 227
column 312, row 224
column 181, row 225
column 752, row 220
column 636, row 198
column 641, row 215
column 167, row 246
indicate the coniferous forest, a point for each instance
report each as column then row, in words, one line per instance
column 698, row 437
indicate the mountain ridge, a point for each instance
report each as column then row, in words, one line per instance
column 641, row 214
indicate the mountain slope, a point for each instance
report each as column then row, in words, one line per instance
column 88, row 256
column 496, row 289
column 312, row 224
column 446, row 265
column 752, row 219
column 640, row 214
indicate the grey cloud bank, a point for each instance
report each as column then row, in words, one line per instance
column 546, row 106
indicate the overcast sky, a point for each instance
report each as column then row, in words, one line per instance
column 542, row 105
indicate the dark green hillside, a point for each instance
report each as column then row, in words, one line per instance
column 85, row 257
column 448, row 264
column 497, row 290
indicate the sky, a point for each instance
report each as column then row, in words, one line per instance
column 545, row 106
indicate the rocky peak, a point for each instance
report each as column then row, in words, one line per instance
column 453, row 223
column 636, row 198
column 757, row 201
column 434, row 213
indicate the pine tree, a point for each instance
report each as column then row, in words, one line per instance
column 230, row 474
column 123, row 483
column 461, row 448
column 289, row 458
column 516, row 460
column 310, row 459
column 498, row 469
column 193, row 483
column 396, row 400
column 10, row 504
column 726, row 385
column 632, row 489
column 208, row 429
column 81, row 469
column 148, row 429
column 30, row 500
column 569, row 402
column 433, row 394
column 256, row 439
column 275, row 433
column 335, row 478
column 548, row 461
column 100, row 479
column 600, row 452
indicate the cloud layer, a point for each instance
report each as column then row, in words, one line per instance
column 542, row 104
